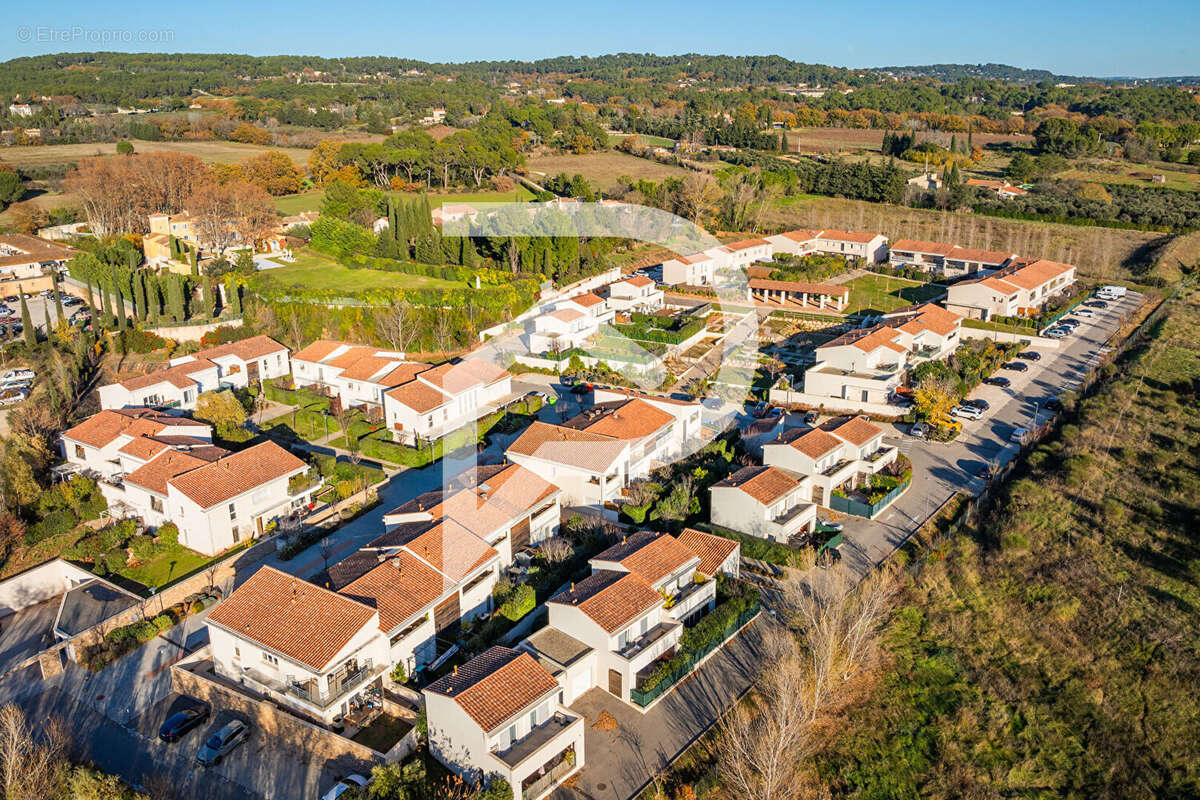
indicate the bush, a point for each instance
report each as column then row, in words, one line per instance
column 144, row 547
column 53, row 524
column 520, row 602
column 163, row 622
column 168, row 534
column 761, row 549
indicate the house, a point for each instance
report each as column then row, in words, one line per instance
column 945, row 259
column 928, row 330
column 926, row 180
column 609, row 629
column 743, row 253
column 229, row 366
column 443, row 399
column 800, row 242
column 589, row 304
column 452, row 212
column 648, row 430
column 698, row 269
column 561, row 330
column 688, row 432
column 765, row 502
column 591, row 468
column 840, row 455
column 309, row 650
column 356, row 376
column 870, row 247
column 22, row 109
column 502, row 714
column 425, row 578
column 215, row 498
column 119, row 441
column 798, row 295
column 23, row 256
column 1003, row 189
column 505, row 505
column 635, row 293
column 1020, row 288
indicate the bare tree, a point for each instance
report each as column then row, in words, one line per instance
column 556, row 550
column 30, row 765
column 394, row 325
column 443, row 332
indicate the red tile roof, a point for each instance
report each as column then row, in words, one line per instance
column 292, row 617
column 832, row 290
column 156, row 474
column 246, row 349
column 399, row 588
column 495, row 685
column 585, row 450
column 101, row 428
column 816, row 443
column 849, row 236
column 651, row 556
column 236, row 474
column 857, row 431
column 318, row 350
column 713, row 550
column 610, row 599
column 764, row 484
column 632, row 419
column 178, row 376
column 451, row 549
column 922, row 246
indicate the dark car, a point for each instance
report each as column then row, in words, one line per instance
column 808, row 417
column 1030, row 355
column 567, row 380
column 581, row 388
column 1016, row 366
column 985, row 472
column 998, row 380
column 12, row 298
column 17, row 327
column 982, row 405
column 1096, row 304
column 1054, row 404
column 181, row 722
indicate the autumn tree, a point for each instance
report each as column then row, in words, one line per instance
column 324, row 161
column 222, row 410
column 273, row 172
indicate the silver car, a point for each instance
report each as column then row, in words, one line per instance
column 222, row 743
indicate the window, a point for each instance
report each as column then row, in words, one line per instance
column 623, row 640
column 232, row 511
column 533, row 718
column 79, row 452
column 237, row 652
column 512, row 736
column 156, row 504
column 270, row 659
column 645, row 625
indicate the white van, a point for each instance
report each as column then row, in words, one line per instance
column 1112, row 291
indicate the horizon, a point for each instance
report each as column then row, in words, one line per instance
column 1102, row 43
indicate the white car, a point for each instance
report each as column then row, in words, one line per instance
column 18, row 375
column 344, row 785
column 1019, row 435
column 966, row 412
column 1084, row 312
column 10, row 397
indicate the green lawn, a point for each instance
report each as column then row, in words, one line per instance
column 645, row 139
column 885, row 293
column 166, row 566
column 312, row 199
column 314, row 271
column 999, row 326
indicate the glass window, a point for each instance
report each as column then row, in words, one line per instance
column 232, row 511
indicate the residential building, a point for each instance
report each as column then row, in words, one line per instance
column 718, row 555
column 561, row 330
column 229, row 366
column 23, row 256
column 836, row 456
column 1003, row 189
column 743, row 253
column 688, row 432
column 309, row 650
column 798, row 295
column 650, row 432
column 507, row 506
column 870, row 247
column 800, row 242
column 452, row 212
column 970, row 261
column 635, row 293
column 216, row 498
column 765, row 502
column 1021, row 288
column 589, row 303
column 117, row 442
column 590, row 468
column 502, row 714
column 666, row 566
column 445, row 398
column 356, row 376
column 945, row 259
column 698, row 269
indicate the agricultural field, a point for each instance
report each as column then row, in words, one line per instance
column 602, row 169
column 210, row 152
column 311, row 200
column 833, row 140
column 1123, row 173
column 314, row 271
column 644, row 139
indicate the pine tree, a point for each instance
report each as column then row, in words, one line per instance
column 26, row 320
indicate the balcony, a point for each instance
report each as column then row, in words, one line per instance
column 563, row 764
column 691, row 598
column 648, row 639
column 881, row 458
column 836, row 468
column 339, row 686
column 537, row 739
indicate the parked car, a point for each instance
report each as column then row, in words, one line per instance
column 1054, row 404
column 1019, row 435
column 760, row 409
column 775, row 411
column 1030, row 355
column 808, row 417
column 581, row 388
column 18, row 374
column 17, row 327
column 982, row 405
column 1016, row 366
column 1084, row 312
column 1056, row 333
column 966, row 412
column 222, row 743
column 998, row 380
column 344, row 785
column 179, row 723
column 828, row 526
column 70, row 300
column 10, row 397
column 12, row 298
column 1096, row 304
column 985, row 472
column 919, row 429
column 47, row 293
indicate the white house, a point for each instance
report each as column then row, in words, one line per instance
column 698, row 269
column 687, row 433
column 229, row 366
column 444, row 398
column 649, row 431
column 800, row 242
column 765, row 502
column 590, row 468
column 831, row 457
column 636, row 293
column 561, row 330
column 743, row 253
column 118, row 441
column 1021, row 288
column 871, row 247
column 589, row 303
column 23, row 256
column 502, row 714
column 945, row 259
column 309, row 650
column 356, row 375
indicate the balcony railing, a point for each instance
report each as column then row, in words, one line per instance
column 338, row 687
column 836, row 468
column 551, row 776
column 640, row 644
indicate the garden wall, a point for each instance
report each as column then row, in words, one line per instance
column 967, row 332
column 192, row 333
column 784, row 397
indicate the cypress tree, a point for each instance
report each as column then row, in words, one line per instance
column 106, row 307
column 426, row 215
column 196, row 261
column 26, row 320
column 90, row 299
column 234, row 292
column 210, row 305
column 119, row 303
column 58, row 306
column 468, row 258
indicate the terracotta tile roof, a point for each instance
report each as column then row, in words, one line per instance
column 566, row 314
column 857, row 431
column 695, row 258
column 31, row 250
column 849, row 236
column 292, row 617
column 495, row 685
column 1037, row 274
column 366, row 367
column 418, row 396
column 318, row 350
column 764, row 484
column 582, row 449
column 350, row 357
column 105, row 426
column 832, row 290
column 638, row 280
column 883, row 336
column 459, row 376
column 403, row 373
column 610, row 599
column 631, row 419
column 922, row 246
column 982, row 256
column 801, row 235
column 156, row 474
column 652, row 556
column 509, row 494
column 713, row 550
column 933, row 318
column 246, row 349
column 451, row 549
column 235, row 474
column 178, row 376
column 995, row 284
column 399, row 587
column 587, row 299
column 143, row 448
column 816, row 443
column 746, row 244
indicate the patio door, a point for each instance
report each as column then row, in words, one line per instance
column 252, row 372
column 614, row 682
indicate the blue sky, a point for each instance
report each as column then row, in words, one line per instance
column 1102, row 37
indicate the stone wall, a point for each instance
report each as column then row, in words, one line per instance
column 192, row 333
column 194, row 677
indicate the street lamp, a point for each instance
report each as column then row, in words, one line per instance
column 325, row 418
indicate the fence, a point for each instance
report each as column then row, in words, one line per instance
column 847, row 505
column 645, row 698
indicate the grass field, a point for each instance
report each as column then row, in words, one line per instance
column 603, row 169
column 644, row 139
column 314, row 271
column 1126, row 174
column 831, row 140
column 210, row 152
column 311, row 200
column 885, row 293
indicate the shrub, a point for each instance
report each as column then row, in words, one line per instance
column 520, row 602
column 144, row 547
column 53, row 524
column 163, row 622
column 168, row 534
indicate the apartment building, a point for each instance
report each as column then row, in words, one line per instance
column 649, row 431
column 119, row 441
column 834, row 457
column 946, row 259
column 698, row 269
column 636, row 293
column 590, row 468
column 23, row 256
column 764, row 501
column 1021, row 288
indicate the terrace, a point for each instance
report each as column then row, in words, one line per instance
column 537, row 739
